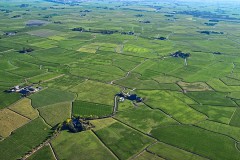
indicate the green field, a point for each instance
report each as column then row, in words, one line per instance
column 51, row 96
column 170, row 152
column 95, row 59
column 56, row 113
column 129, row 142
column 43, row 153
column 87, row 109
column 24, row 139
column 216, row 113
column 96, row 92
column 24, row 107
column 144, row 119
column 197, row 140
column 77, row 146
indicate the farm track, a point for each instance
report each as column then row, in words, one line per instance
column 54, row 78
column 129, row 72
column 232, row 116
column 236, row 145
column 53, row 151
column 7, row 51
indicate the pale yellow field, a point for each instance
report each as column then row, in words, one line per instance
column 9, row 121
column 102, row 123
column 25, row 108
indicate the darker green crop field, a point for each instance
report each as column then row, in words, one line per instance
column 87, row 109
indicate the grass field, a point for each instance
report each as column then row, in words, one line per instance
column 197, row 140
column 24, row 139
column 216, row 113
column 25, row 108
column 10, row 121
column 102, row 123
column 96, row 92
column 56, row 113
column 221, row 128
column 88, row 109
column 77, row 146
column 44, row 77
column 51, row 96
column 172, row 106
column 8, row 99
column 43, row 153
column 170, row 152
column 129, row 142
column 211, row 98
column 144, row 118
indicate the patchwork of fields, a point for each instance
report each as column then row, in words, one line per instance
column 181, row 59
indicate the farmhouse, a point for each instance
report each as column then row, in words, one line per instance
column 10, row 33
column 27, row 90
column 131, row 97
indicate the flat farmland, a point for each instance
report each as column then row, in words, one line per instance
column 51, row 96
column 9, row 121
column 88, row 109
column 24, row 139
column 25, row 108
column 56, row 113
column 129, row 141
column 96, row 92
column 197, row 140
column 66, row 147
column 181, row 60
column 43, row 153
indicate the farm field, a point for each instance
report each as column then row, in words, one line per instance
column 169, row 152
column 129, row 141
column 9, row 121
column 24, row 107
column 127, row 80
column 43, row 153
column 51, row 96
column 66, row 147
column 56, row 113
column 87, row 109
column 24, row 139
